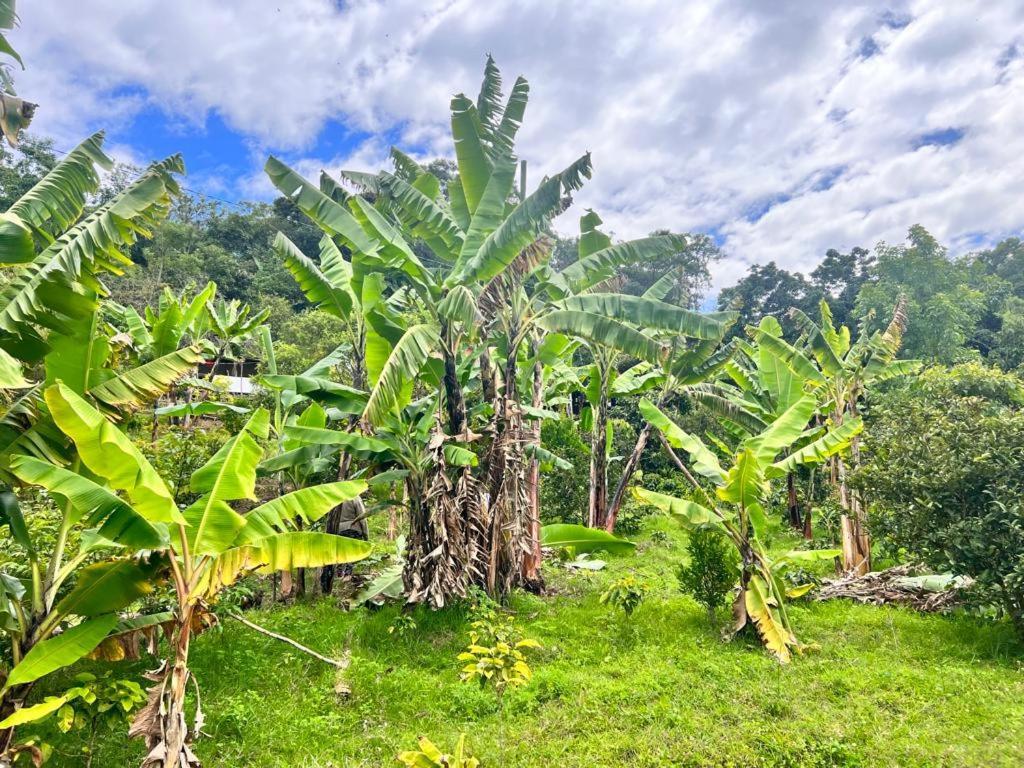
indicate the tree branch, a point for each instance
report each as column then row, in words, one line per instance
column 288, row 640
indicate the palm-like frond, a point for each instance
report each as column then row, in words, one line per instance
column 604, row 331
column 402, row 365
column 148, row 381
column 45, row 292
column 54, row 203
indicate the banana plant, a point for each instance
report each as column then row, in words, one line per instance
column 203, row 548
column 57, row 258
column 232, row 323
column 758, row 385
column 482, row 240
column 176, row 321
column 841, row 371
column 734, row 505
column 613, row 327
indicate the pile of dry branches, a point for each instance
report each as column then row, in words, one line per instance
column 900, row 585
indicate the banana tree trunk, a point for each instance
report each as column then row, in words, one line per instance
column 162, row 722
column 532, row 559
column 176, row 728
column 627, row 475
column 597, row 516
column 855, row 541
column 455, row 402
column 793, row 503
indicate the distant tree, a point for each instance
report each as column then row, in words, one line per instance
column 768, row 290
column 943, row 308
column 22, row 167
column 1005, row 260
column 839, row 278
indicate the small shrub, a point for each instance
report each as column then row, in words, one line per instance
column 429, row 756
column 404, row 624
column 711, row 571
column 631, row 517
column 98, row 702
column 626, row 593
column 495, row 654
column 661, row 539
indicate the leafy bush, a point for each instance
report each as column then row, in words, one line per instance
column 944, row 474
column 564, row 493
column 711, row 571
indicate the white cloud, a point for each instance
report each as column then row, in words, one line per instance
column 699, row 115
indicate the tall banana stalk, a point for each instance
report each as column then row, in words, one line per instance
column 731, row 500
column 840, row 372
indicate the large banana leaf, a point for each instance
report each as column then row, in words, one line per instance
column 489, row 212
column 43, row 291
column 488, row 102
column 764, row 609
column 647, row 313
column 603, row 264
column 829, row 444
column 504, row 136
column 11, row 376
column 391, row 243
column 336, row 300
column 148, row 381
column 581, row 539
column 229, row 475
column 424, row 215
column 704, row 461
column 332, row 218
column 404, row 362
column 604, row 331
column 106, row 587
column 788, row 354
column 54, row 203
column 110, row 454
column 306, row 504
column 692, row 513
column 61, row 650
column 783, row 431
column 320, row 389
column 745, row 483
column 470, row 153
column 523, row 226
column 284, row 551
column 30, row 714
column 361, row 446
column 116, row 519
column 821, row 348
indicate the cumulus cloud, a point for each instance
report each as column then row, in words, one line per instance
column 785, row 128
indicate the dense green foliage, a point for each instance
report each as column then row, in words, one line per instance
column 945, row 475
column 958, row 308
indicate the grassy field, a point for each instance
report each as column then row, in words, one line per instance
column 885, row 687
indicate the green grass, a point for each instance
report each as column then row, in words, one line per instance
column 886, row 687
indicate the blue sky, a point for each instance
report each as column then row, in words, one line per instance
column 783, row 128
